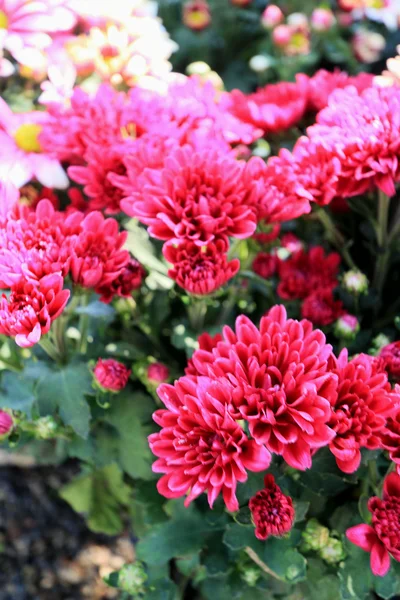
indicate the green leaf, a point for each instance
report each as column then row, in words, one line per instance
column 16, row 393
column 65, row 389
column 100, row 495
column 185, row 533
column 324, row 477
column 237, row 537
column 97, row 310
column 301, row 509
column 128, row 415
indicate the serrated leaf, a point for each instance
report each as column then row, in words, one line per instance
column 65, row 390
column 16, row 393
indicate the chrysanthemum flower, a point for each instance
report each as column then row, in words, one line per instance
column 205, row 342
column 390, row 356
column 364, row 401
column 6, row 424
column 200, row 270
column 390, row 435
column 273, row 108
column 201, row 448
column 382, row 537
column 198, row 196
column 364, row 133
column 111, row 375
column 130, row 279
column 30, row 309
column 265, row 264
column 272, row 511
column 323, row 83
column 98, row 258
column 22, row 157
column 306, row 271
column 280, row 382
column 321, row 308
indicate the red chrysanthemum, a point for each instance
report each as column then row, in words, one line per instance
column 382, row 537
column 390, row 435
column 274, row 108
column 200, row 270
column 201, row 448
column 321, row 308
column 265, row 264
column 130, row 279
column 30, row 309
column 111, row 375
column 205, row 342
column 198, row 196
column 363, row 403
column 280, row 382
column 98, row 258
column 390, row 356
column 305, row 272
column 323, row 83
column 272, row 511
column 363, row 131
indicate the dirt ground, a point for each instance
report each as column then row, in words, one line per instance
column 46, row 551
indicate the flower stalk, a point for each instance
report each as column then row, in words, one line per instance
column 382, row 262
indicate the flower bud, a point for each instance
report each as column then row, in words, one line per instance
column 6, row 425
column 322, row 19
column 158, row 373
column 333, row 552
column 132, row 579
column 260, row 63
column 110, row 375
column 272, row 16
column 45, row 428
column 315, row 536
column 198, row 67
column 379, row 342
column 282, row 35
column 346, row 327
column 196, row 15
column 250, row 575
column 298, row 21
column 355, row 282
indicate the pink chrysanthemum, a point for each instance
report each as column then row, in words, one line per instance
column 273, row 108
column 382, row 537
column 198, row 196
column 98, row 258
column 22, row 157
column 201, row 448
column 200, row 270
column 323, row 83
column 31, row 308
column 306, row 271
column 363, row 403
column 280, row 382
column 363, row 131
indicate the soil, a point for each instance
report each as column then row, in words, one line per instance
column 46, row 551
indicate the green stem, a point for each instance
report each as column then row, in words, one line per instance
column 260, row 563
column 197, row 311
column 335, row 237
column 47, row 345
column 84, row 326
column 382, row 261
column 58, row 332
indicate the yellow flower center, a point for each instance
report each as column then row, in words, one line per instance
column 26, row 137
column 3, row 20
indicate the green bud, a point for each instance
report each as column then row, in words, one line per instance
column 250, row 576
column 355, row 282
column 379, row 342
column 45, row 428
column 333, row 552
column 132, row 578
column 346, row 327
column 315, row 536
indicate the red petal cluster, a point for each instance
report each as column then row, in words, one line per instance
column 360, row 409
column 321, row 308
column 382, row 537
column 201, row 448
column 272, row 511
column 265, row 264
column 390, row 355
column 280, row 382
column 111, row 375
column 200, row 270
column 130, row 279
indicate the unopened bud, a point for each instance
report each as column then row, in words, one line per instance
column 282, row 35
column 45, row 428
column 322, row 19
column 333, row 552
column 6, row 425
column 157, row 373
column 315, row 536
column 272, row 16
column 355, row 282
column 347, row 327
column 132, row 578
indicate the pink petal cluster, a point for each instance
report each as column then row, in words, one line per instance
column 382, row 537
column 111, row 375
